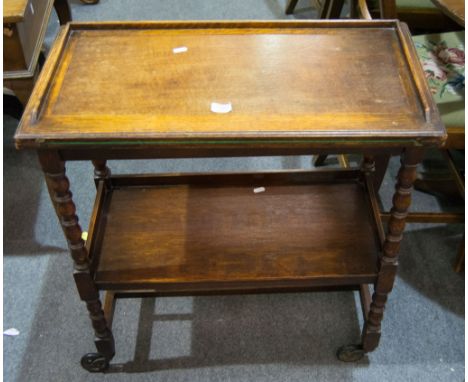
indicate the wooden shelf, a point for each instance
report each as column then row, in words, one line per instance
column 212, row 232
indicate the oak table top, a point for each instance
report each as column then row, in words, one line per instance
column 313, row 81
column 454, row 9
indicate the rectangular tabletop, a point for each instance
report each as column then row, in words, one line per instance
column 342, row 81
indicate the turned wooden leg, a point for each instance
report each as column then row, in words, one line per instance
column 63, row 11
column 59, row 189
column 290, row 7
column 388, row 262
column 102, row 172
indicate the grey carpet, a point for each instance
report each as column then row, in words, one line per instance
column 281, row 337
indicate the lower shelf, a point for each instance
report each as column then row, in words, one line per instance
column 212, row 232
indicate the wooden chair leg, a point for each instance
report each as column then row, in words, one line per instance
column 457, row 177
column 63, row 11
column 442, row 184
column 320, row 160
column 290, row 7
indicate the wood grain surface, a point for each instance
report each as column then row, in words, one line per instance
column 322, row 80
column 13, row 10
column 216, row 236
column 454, row 9
column 13, row 56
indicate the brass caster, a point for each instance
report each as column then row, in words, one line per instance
column 350, row 353
column 94, row 362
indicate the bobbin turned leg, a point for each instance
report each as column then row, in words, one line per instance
column 101, row 172
column 59, row 189
column 388, row 261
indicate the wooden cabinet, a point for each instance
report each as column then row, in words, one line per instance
column 294, row 88
column 24, row 27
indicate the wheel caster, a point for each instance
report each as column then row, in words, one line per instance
column 350, row 353
column 94, row 362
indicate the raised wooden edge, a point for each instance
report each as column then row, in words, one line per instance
column 93, row 228
column 39, row 97
column 231, row 24
column 233, row 140
column 375, row 210
column 431, row 113
column 43, row 84
column 30, row 71
column 273, row 177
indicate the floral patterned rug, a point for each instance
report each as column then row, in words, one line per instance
column 443, row 60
